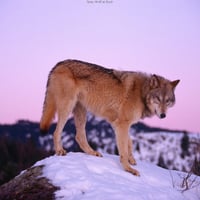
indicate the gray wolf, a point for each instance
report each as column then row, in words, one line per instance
column 121, row 97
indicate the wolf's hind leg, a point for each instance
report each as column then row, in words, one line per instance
column 57, row 136
column 80, row 121
column 131, row 159
column 64, row 110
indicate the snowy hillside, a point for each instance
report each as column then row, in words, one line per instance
column 84, row 177
column 169, row 150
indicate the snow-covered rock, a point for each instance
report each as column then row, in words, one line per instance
column 83, row 177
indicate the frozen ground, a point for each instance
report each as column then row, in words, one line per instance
column 81, row 176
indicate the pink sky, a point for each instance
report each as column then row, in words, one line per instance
column 160, row 37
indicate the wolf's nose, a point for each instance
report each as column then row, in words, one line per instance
column 162, row 115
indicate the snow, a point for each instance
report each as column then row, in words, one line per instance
column 84, row 177
column 167, row 146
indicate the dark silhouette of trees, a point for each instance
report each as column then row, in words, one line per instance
column 185, row 144
column 16, row 156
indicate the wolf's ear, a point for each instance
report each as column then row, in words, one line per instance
column 175, row 83
column 154, row 81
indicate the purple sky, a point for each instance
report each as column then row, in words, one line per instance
column 156, row 36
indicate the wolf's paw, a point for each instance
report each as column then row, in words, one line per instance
column 61, row 152
column 132, row 161
column 95, row 153
column 133, row 171
column 98, row 154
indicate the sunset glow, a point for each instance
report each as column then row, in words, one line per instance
column 161, row 37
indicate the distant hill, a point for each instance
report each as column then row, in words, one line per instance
column 24, row 129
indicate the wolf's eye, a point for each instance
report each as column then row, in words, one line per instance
column 157, row 98
column 167, row 101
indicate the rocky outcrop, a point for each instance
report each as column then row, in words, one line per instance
column 29, row 185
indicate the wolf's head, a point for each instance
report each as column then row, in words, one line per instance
column 161, row 95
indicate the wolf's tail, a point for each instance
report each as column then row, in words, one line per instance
column 49, row 109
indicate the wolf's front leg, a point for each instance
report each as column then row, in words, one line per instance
column 121, row 131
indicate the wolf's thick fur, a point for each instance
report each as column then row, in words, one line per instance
column 121, row 97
